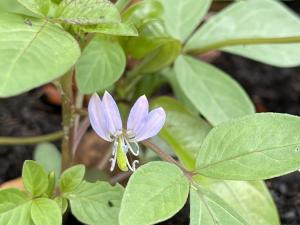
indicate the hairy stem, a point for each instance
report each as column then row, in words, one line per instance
column 243, row 41
column 31, row 140
column 164, row 156
column 122, row 4
column 67, row 119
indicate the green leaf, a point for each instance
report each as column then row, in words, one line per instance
column 96, row 203
column 33, row 52
column 255, row 147
column 183, row 131
column 155, row 192
column 14, row 6
column 207, row 208
column 95, row 70
column 251, row 199
column 71, row 178
column 35, row 178
column 251, row 20
column 218, row 97
column 143, row 12
column 14, row 207
column 182, row 17
column 47, row 155
column 117, row 29
column 45, row 211
column 62, row 203
column 39, row 7
column 87, row 12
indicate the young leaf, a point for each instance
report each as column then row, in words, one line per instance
column 35, row 178
column 96, row 203
column 217, row 97
column 244, row 21
column 62, row 203
column 95, row 70
column 87, row 12
column 116, row 29
column 35, row 52
column 183, row 131
column 250, row 199
column 255, row 147
column 155, row 192
column 71, row 178
column 39, row 7
column 47, row 155
column 45, row 211
column 208, row 208
column 182, row 17
column 14, row 207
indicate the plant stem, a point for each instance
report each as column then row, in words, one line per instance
column 166, row 157
column 122, row 4
column 243, row 41
column 31, row 140
column 67, row 119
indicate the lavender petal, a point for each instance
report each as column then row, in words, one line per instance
column 138, row 114
column 153, row 124
column 97, row 117
column 112, row 114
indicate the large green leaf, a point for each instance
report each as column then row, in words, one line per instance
column 209, row 209
column 183, row 131
column 155, row 192
column 14, row 207
column 71, row 178
column 45, row 211
column 251, row 199
column 49, row 157
column 101, row 64
column 217, row 96
column 14, row 6
column 32, row 52
column 246, row 20
column 182, row 17
column 39, row 7
column 255, row 147
column 82, row 12
column 96, row 203
column 35, row 178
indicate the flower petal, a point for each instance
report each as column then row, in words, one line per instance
column 138, row 114
column 97, row 117
column 112, row 114
column 154, row 122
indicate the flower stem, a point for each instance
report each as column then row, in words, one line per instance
column 166, row 157
column 67, row 119
column 243, row 41
column 31, row 140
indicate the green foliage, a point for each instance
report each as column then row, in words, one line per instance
column 255, row 147
column 87, row 12
column 155, row 199
column 14, row 207
column 45, row 211
column 35, row 178
column 178, row 24
column 71, row 178
column 116, row 29
column 32, row 43
column 208, row 208
column 39, row 7
column 250, row 20
column 94, row 70
column 183, row 131
column 96, row 203
column 217, row 97
column 251, row 199
column 49, row 157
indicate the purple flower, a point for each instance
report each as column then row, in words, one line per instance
column 141, row 124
